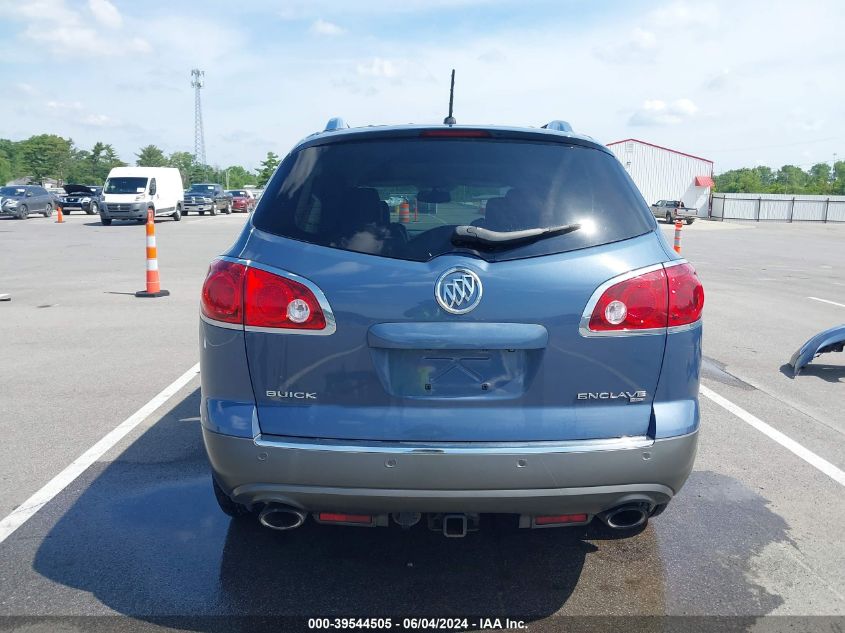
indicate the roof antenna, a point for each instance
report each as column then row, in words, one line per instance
column 450, row 120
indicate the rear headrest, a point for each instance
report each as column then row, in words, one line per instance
column 364, row 205
column 496, row 215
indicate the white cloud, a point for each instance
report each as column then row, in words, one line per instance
column 638, row 46
column 99, row 120
column 105, row 13
column 378, row 67
column 681, row 15
column 322, row 27
column 27, row 89
column 657, row 112
column 64, row 106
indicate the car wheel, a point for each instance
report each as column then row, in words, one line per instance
column 48, row 211
column 229, row 208
column 668, row 218
column 23, row 212
column 234, row 510
column 690, row 221
column 213, row 209
column 177, row 214
column 202, row 212
column 94, row 209
column 105, row 221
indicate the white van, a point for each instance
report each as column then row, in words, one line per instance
column 130, row 191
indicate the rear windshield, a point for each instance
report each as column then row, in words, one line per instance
column 403, row 198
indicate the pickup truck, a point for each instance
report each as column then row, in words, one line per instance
column 672, row 210
column 211, row 197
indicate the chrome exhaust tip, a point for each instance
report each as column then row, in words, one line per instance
column 281, row 517
column 625, row 517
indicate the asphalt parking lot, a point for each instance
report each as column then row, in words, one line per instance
column 755, row 532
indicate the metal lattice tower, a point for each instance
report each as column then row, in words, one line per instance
column 197, row 82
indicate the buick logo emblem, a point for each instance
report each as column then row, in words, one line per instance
column 458, row 290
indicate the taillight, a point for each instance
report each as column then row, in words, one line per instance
column 686, row 295
column 339, row 517
column 638, row 303
column 654, row 300
column 222, row 292
column 560, row 519
column 235, row 293
column 455, row 133
column 277, row 302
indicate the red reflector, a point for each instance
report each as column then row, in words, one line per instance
column 222, row 292
column 560, row 518
column 336, row 517
column 644, row 304
column 277, row 302
column 453, row 133
column 686, row 295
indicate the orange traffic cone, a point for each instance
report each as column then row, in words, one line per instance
column 404, row 212
column 61, row 218
column 678, row 226
column 153, row 283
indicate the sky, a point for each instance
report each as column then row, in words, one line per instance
column 742, row 83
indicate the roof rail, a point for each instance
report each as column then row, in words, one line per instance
column 559, row 126
column 335, row 123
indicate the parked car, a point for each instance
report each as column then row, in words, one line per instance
column 542, row 361
column 672, row 210
column 82, row 198
column 130, row 192
column 22, row 200
column 242, row 200
column 202, row 197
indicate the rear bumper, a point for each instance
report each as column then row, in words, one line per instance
column 539, row 478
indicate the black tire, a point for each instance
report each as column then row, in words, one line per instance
column 177, row 214
column 48, row 211
column 213, row 209
column 202, row 212
column 690, row 221
column 228, row 208
column 234, row 510
column 105, row 221
column 23, row 212
column 93, row 209
column 669, row 219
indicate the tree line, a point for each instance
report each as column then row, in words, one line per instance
column 49, row 156
column 820, row 179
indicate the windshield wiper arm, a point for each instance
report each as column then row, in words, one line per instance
column 468, row 234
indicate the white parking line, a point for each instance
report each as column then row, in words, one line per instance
column 784, row 440
column 28, row 508
column 841, row 305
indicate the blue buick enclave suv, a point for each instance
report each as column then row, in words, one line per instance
column 514, row 336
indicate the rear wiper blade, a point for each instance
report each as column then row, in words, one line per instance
column 468, row 234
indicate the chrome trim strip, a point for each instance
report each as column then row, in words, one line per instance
column 584, row 325
column 331, row 323
column 684, row 328
column 229, row 326
column 454, row 448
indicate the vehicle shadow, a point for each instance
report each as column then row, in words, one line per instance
column 827, row 372
column 127, row 222
column 147, row 539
